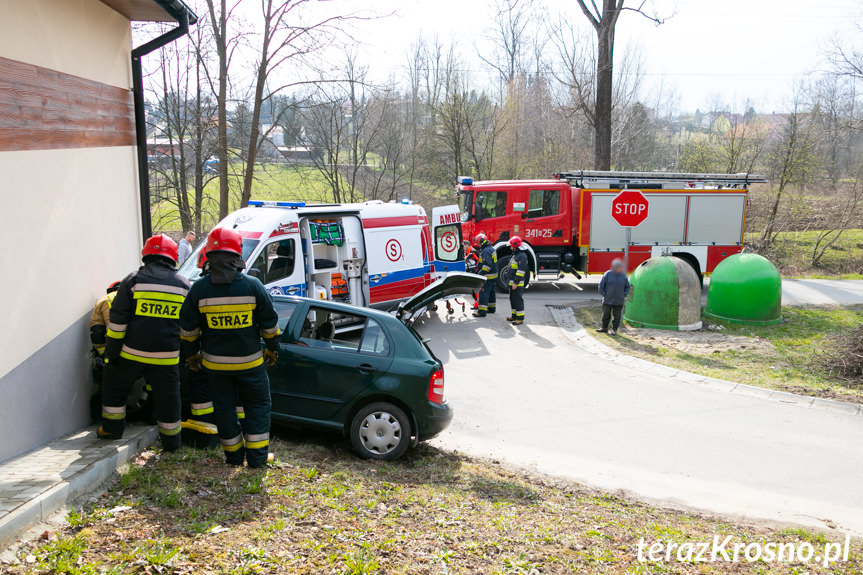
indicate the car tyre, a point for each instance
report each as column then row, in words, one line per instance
column 380, row 431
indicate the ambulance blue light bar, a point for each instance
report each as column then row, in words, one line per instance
column 464, row 181
column 271, row 204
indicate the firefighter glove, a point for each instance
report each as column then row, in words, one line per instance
column 270, row 357
column 196, row 362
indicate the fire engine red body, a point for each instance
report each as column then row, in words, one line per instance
column 568, row 225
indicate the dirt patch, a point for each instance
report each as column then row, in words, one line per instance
column 705, row 342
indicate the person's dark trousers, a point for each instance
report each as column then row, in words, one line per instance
column 119, row 376
column 487, row 297
column 202, row 404
column 608, row 311
column 247, row 438
column 516, row 302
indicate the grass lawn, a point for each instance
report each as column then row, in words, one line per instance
column 323, row 511
column 792, row 364
column 280, row 182
column 843, row 260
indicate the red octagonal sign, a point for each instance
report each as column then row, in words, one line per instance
column 629, row 208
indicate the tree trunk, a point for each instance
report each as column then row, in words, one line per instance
column 604, row 92
column 221, row 37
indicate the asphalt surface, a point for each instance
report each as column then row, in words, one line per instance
column 530, row 396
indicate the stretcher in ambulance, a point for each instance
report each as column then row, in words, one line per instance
column 373, row 254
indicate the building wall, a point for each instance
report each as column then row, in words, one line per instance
column 69, row 204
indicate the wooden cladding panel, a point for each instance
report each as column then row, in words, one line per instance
column 42, row 109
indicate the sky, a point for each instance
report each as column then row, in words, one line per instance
column 728, row 51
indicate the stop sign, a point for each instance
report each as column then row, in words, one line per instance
column 629, row 208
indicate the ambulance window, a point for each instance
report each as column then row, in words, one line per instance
column 447, row 243
column 491, row 204
column 276, row 261
column 543, row 203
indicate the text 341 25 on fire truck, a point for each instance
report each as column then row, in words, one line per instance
column 567, row 225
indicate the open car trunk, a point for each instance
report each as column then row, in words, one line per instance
column 455, row 283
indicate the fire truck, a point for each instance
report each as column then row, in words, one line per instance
column 567, row 225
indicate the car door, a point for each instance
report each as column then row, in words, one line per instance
column 328, row 358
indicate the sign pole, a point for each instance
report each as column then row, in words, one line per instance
column 626, row 250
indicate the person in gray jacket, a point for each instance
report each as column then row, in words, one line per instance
column 613, row 288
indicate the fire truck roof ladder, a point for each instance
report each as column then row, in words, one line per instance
column 657, row 180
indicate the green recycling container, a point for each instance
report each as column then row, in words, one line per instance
column 745, row 288
column 665, row 294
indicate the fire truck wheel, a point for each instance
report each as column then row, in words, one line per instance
column 381, row 431
column 504, row 274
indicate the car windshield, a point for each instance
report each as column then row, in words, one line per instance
column 190, row 270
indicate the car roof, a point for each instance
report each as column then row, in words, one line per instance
column 347, row 308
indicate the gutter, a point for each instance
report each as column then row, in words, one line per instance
column 184, row 17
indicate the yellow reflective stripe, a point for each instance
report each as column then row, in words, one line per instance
column 519, row 273
column 172, row 428
column 115, row 334
column 241, row 413
column 232, row 366
column 114, row 413
column 190, row 332
column 232, row 444
column 207, row 301
column 161, row 296
column 228, row 307
column 202, row 408
column 257, row 437
column 490, row 276
column 151, row 360
column 188, row 337
column 269, row 333
column 160, row 288
column 257, row 444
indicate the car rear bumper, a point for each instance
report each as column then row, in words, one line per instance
column 437, row 418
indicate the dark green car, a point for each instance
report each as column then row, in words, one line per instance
column 357, row 371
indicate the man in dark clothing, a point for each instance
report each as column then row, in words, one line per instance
column 520, row 268
column 223, row 319
column 143, row 338
column 613, row 287
column 488, row 268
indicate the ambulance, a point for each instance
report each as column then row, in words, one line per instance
column 386, row 256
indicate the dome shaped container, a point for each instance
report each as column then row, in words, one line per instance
column 745, row 288
column 665, row 294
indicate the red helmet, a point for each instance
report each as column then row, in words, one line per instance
column 113, row 287
column 225, row 240
column 202, row 258
column 479, row 239
column 515, row 242
column 160, row 245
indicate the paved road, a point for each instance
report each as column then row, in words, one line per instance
column 530, row 396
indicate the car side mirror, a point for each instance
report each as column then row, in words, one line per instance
column 254, row 272
column 524, row 215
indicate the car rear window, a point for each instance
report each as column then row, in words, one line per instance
column 285, row 309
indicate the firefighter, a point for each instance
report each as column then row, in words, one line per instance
column 488, row 268
column 98, row 325
column 223, row 319
column 519, row 266
column 143, row 338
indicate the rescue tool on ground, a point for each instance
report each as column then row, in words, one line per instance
column 567, row 224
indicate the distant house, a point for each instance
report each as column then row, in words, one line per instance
column 300, row 155
column 74, row 214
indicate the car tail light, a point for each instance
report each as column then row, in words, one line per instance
column 436, row 387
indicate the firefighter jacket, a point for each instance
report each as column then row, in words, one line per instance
column 144, row 321
column 99, row 321
column 519, row 266
column 226, row 322
column 488, row 259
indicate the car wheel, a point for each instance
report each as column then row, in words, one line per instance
column 381, row 431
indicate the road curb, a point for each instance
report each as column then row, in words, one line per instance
column 43, row 506
column 565, row 319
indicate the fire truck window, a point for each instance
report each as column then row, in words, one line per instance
column 491, row 204
column 543, row 203
column 276, row 261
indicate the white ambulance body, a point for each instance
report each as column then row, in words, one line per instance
column 372, row 254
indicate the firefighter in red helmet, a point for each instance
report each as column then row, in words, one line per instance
column 518, row 270
column 223, row 319
column 143, row 338
column 488, row 268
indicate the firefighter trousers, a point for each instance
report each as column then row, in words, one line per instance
column 117, row 380
column 246, row 438
column 516, row 301
column 488, row 297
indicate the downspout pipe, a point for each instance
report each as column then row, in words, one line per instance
column 140, row 115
